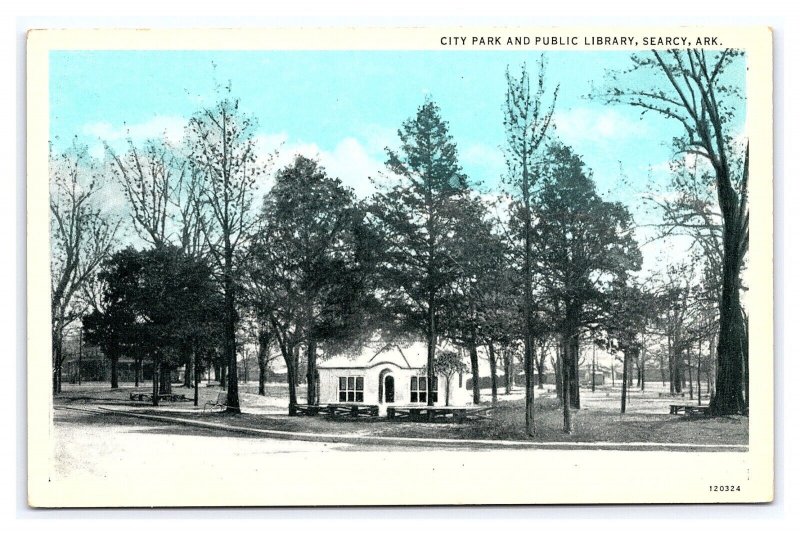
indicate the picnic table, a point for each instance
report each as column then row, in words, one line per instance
column 148, row 396
column 221, row 402
column 306, row 410
column 688, row 410
column 350, row 409
column 431, row 413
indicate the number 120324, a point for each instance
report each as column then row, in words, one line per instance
column 724, row 488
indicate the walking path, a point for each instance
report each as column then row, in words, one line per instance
column 407, row 441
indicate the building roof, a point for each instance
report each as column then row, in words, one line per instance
column 409, row 356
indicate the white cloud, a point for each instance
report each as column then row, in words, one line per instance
column 377, row 138
column 349, row 160
column 488, row 160
column 589, row 124
column 169, row 127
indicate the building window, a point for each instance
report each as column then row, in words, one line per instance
column 419, row 390
column 351, row 389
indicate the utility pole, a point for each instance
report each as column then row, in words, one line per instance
column 80, row 354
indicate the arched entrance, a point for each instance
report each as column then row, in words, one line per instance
column 388, row 388
column 385, row 386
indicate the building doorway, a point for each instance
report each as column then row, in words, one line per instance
column 388, row 389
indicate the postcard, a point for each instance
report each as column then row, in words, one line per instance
column 399, row 266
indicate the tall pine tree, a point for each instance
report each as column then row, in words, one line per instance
column 418, row 216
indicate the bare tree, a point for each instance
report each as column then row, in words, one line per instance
column 696, row 92
column 82, row 236
column 222, row 152
column 527, row 120
column 162, row 192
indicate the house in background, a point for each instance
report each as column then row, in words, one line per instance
column 385, row 375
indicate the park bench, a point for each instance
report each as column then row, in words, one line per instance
column 431, row 414
column 351, row 409
column 675, row 395
column 221, row 402
column 148, row 396
column 688, row 410
column 306, row 410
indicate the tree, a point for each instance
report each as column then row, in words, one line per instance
column 630, row 310
column 696, row 93
column 448, row 363
column 307, row 269
column 160, row 302
column 479, row 311
column 113, row 328
column 81, row 237
column 161, row 191
column 417, row 218
column 222, row 152
column 527, row 120
column 584, row 245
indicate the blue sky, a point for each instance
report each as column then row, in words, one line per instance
column 345, row 107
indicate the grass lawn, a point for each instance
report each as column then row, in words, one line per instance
column 507, row 422
column 600, row 421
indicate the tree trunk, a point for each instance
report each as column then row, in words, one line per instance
column 114, row 375
column 699, row 357
column 57, row 359
column 263, row 363
column 677, row 370
column 493, row 370
column 642, row 363
column 745, row 345
column 156, row 378
column 80, row 355
column 527, row 304
column 289, row 355
column 683, row 361
column 710, row 370
column 137, row 371
column 476, row 378
column 623, row 401
column 559, row 376
column 229, row 334
column 671, row 365
column 432, row 347
column 196, row 370
column 731, row 348
column 573, row 379
column 565, row 388
column 311, row 372
column 188, row 372
column 594, row 365
column 539, row 361
column 571, row 344
column 166, row 379
column 296, row 358
column 508, row 365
